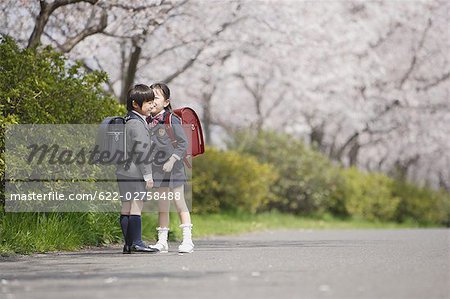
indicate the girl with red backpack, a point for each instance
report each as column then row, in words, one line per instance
column 168, row 168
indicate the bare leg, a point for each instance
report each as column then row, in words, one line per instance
column 182, row 209
column 126, row 207
column 164, row 208
column 136, row 207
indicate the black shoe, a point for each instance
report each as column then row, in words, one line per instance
column 126, row 249
column 138, row 248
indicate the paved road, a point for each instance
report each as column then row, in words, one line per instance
column 277, row 264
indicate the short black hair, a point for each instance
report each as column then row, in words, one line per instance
column 139, row 93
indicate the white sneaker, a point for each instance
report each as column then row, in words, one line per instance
column 162, row 244
column 163, row 247
column 186, row 247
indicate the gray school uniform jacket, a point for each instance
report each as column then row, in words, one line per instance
column 164, row 148
column 138, row 148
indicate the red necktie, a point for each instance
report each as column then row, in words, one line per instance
column 155, row 120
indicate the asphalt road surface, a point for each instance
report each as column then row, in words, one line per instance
column 274, row 264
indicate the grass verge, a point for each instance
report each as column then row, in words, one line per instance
column 232, row 224
column 42, row 232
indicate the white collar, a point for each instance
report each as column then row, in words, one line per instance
column 142, row 116
column 160, row 112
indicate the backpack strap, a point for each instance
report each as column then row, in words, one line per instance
column 132, row 115
column 169, row 130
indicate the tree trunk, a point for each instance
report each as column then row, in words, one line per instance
column 401, row 168
column 316, row 137
column 443, row 183
column 41, row 21
column 353, row 153
column 207, row 117
column 131, row 73
column 350, row 141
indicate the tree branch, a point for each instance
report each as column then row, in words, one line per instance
column 414, row 58
column 131, row 8
column 163, row 51
column 187, row 65
column 384, row 38
column 191, row 61
column 46, row 10
column 354, row 137
column 436, row 82
column 73, row 41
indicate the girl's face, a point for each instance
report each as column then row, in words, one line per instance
column 159, row 103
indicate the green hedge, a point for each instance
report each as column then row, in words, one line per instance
column 307, row 180
column 228, row 181
column 369, row 196
column 43, row 87
column 309, row 183
column 421, row 205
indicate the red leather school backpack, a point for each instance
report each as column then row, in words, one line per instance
column 192, row 128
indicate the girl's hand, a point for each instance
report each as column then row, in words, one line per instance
column 149, row 184
column 168, row 166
